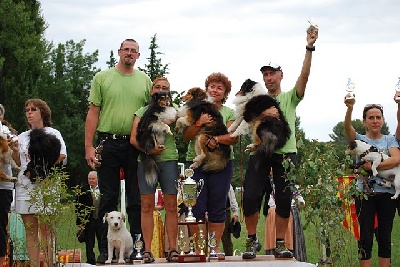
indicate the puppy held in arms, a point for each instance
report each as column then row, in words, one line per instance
column 152, row 130
column 44, row 151
column 268, row 133
column 197, row 102
column 118, row 237
column 6, row 157
column 371, row 154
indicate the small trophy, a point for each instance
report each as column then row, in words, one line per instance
column 212, row 243
column 138, row 245
column 7, row 132
column 181, row 242
column 190, row 191
column 350, row 90
column 98, row 150
column 201, row 241
column 313, row 26
column 192, row 244
column 397, row 87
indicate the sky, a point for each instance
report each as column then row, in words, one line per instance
column 358, row 39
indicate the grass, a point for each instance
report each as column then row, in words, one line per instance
column 67, row 240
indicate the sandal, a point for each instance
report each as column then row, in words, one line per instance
column 173, row 255
column 148, row 257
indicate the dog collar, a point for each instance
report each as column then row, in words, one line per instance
column 371, row 149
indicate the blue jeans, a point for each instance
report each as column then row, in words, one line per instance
column 119, row 154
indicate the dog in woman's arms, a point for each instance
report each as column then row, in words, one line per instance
column 6, row 158
column 44, row 152
column 198, row 102
column 268, row 133
column 152, row 130
column 371, row 154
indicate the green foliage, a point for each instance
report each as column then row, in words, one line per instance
column 50, row 198
column 65, row 85
column 112, row 62
column 22, row 50
column 155, row 68
column 316, row 177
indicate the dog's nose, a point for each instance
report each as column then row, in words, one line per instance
column 116, row 224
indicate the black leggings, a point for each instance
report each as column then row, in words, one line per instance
column 385, row 208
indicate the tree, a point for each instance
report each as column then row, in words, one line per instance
column 155, row 68
column 112, row 62
column 65, row 85
column 22, row 50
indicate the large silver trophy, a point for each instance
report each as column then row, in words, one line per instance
column 190, row 190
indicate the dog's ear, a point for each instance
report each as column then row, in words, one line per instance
column 105, row 217
column 352, row 145
column 123, row 217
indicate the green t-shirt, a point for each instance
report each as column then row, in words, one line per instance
column 228, row 114
column 288, row 102
column 119, row 96
column 171, row 152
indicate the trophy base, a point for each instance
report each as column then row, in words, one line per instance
column 191, row 258
column 213, row 258
column 138, row 262
column 190, row 219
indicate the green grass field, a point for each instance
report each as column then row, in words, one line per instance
column 67, row 240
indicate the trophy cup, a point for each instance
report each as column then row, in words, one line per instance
column 190, row 191
column 397, row 87
column 138, row 246
column 350, row 90
column 313, row 26
column 212, row 243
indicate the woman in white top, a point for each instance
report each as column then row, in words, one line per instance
column 38, row 115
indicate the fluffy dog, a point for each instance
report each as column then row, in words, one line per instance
column 44, row 151
column 198, row 102
column 6, row 157
column 152, row 130
column 118, row 237
column 371, row 154
column 268, row 133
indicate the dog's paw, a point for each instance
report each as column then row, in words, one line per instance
column 108, row 261
column 250, row 148
column 169, row 132
column 233, row 135
column 194, row 165
column 121, row 261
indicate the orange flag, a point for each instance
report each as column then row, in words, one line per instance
column 350, row 221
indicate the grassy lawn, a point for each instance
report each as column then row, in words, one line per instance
column 67, row 240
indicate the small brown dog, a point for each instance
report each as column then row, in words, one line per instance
column 198, row 102
column 6, row 154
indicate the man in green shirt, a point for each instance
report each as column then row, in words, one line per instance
column 255, row 177
column 115, row 95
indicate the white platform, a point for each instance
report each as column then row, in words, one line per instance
column 233, row 261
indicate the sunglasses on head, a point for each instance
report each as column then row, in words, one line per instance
column 370, row 106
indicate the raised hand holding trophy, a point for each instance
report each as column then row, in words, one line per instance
column 351, row 98
column 397, row 87
column 313, row 26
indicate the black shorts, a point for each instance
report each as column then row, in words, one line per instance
column 256, row 184
column 5, row 203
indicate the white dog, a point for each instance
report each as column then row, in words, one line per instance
column 371, row 154
column 118, row 237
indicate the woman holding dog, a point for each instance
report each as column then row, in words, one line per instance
column 38, row 116
column 167, row 163
column 378, row 199
column 213, row 196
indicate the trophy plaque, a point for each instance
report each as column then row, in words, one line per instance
column 138, row 246
column 350, row 90
column 397, row 87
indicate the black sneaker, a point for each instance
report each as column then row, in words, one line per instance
column 101, row 259
column 252, row 247
column 281, row 251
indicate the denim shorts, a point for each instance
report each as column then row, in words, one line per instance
column 167, row 178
